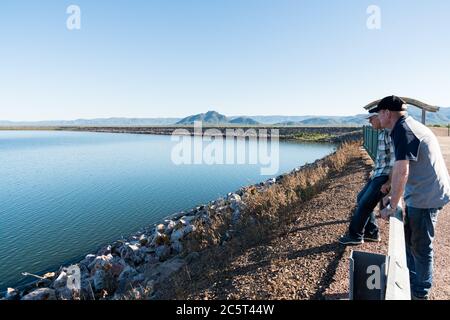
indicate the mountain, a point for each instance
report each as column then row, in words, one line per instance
column 441, row 117
column 357, row 120
column 211, row 117
column 244, row 120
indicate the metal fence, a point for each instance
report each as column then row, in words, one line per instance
column 371, row 141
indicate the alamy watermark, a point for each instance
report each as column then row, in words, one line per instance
column 73, row 22
column 374, row 19
column 227, row 146
column 374, row 279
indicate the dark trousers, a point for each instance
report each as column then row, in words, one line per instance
column 419, row 235
column 363, row 221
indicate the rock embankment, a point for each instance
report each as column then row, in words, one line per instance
column 133, row 266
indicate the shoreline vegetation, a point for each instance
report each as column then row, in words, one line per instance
column 146, row 264
column 335, row 134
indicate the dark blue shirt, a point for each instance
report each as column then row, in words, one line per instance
column 428, row 184
column 406, row 144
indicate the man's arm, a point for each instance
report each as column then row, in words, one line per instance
column 400, row 174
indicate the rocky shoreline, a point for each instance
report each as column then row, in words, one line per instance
column 141, row 261
column 134, row 268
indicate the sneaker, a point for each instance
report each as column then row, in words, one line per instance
column 347, row 240
column 413, row 297
column 375, row 238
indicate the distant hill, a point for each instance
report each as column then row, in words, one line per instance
column 211, row 117
column 244, row 120
column 442, row 117
column 358, row 120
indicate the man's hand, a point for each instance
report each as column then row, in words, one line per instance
column 385, row 188
column 387, row 212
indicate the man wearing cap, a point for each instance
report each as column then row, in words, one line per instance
column 363, row 225
column 420, row 175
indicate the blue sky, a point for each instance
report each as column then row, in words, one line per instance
column 173, row 58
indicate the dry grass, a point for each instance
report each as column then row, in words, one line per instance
column 268, row 214
column 270, row 208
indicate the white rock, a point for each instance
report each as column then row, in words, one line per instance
column 61, row 281
column 159, row 239
column 188, row 219
column 182, row 232
column 234, row 197
column 143, row 240
column 101, row 262
column 12, row 294
column 235, row 201
column 135, row 247
column 170, row 226
column 88, row 259
column 160, row 228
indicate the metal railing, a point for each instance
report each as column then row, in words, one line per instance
column 397, row 282
column 371, row 141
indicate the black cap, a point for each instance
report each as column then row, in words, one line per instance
column 392, row 103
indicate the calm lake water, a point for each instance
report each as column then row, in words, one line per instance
column 64, row 194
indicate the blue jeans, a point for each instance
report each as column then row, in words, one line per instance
column 363, row 221
column 419, row 235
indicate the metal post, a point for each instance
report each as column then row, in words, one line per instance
column 423, row 116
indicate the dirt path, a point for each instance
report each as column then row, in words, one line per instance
column 441, row 289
